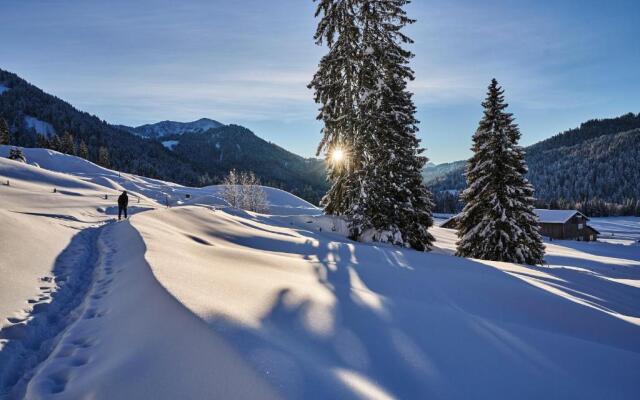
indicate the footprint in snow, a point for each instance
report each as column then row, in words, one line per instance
column 84, row 343
column 79, row 361
column 93, row 313
column 59, row 381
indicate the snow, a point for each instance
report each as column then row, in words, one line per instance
column 170, row 144
column 42, row 128
column 198, row 302
column 621, row 229
column 555, row 216
column 281, row 202
column 135, row 341
column 3, row 88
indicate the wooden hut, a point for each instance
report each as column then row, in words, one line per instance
column 555, row 224
column 565, row 224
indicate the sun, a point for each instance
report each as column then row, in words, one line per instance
column 337, row 156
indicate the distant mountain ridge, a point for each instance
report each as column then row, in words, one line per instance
column 167, row 128
column 595, row 167
column 203, row 153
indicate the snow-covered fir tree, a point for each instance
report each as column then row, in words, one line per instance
column 394, row 203
column 498, row 222
column 335, row 84
column 361, row 85
column 16, row 154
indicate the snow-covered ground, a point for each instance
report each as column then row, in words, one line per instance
column 154, row 190
column 624, row 230
column 209, row 302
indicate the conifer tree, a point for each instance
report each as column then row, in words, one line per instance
column 4, row 132
column 83, row 150
column 42, row 142
column 68, row 145
column 394, row 201
column 361, row 85
column 498, row 222
column 335, row 90
column 56, row 144
column 103, row 157
column 16, row 154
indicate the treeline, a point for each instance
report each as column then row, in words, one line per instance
column 595, row 207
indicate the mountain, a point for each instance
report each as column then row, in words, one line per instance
column 33, row 114
column 167, row 128
column 227, row 147
column 432, row 171
column 195, row 153
column 595, row 168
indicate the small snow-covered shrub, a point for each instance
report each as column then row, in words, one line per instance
column 16, row 154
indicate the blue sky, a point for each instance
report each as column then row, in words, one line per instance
column 248, row 62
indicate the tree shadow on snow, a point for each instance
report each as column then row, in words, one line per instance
column 406, row 325
column 616, row 251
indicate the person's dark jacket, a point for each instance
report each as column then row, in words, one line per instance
column 123, row 200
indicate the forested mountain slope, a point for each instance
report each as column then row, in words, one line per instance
column 229, row 147
column 22, row 104
column 595, row 168
column 196, row 153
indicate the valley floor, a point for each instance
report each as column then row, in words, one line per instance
column 203, row 301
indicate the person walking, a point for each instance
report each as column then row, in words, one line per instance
column 123, row 202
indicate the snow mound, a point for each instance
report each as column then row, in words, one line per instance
column 29, row 174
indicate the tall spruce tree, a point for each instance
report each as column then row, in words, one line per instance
column 394, row 202
column 335, row 84
column 498, row 222
column 4, row 132
column 367, row 111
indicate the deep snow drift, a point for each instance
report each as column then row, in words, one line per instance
column 200, row 302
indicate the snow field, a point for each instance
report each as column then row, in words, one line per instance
column 313, row 315
column 203, row 301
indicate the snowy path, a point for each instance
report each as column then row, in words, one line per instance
column 136, row 334
column 30, row 339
